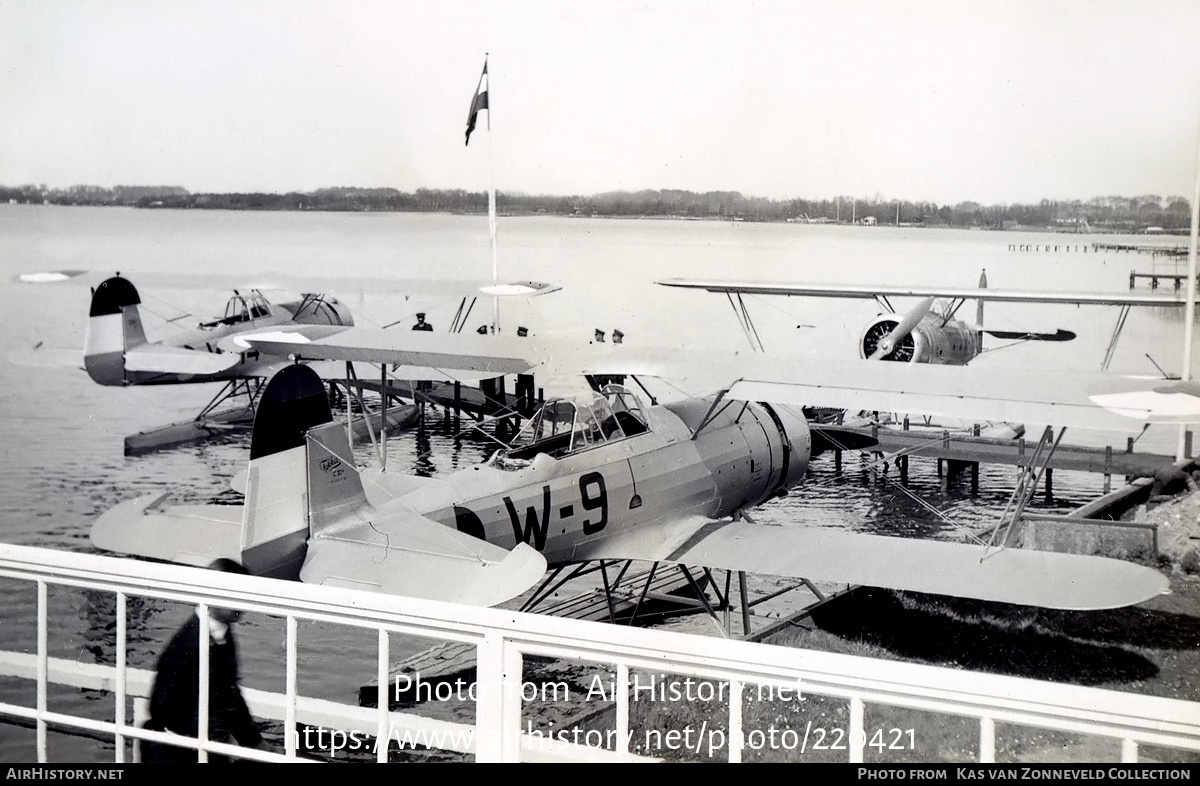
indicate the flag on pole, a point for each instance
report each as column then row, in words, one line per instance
column 480, row 101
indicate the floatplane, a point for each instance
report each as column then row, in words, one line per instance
column 117, row 351
column 930, row 331
column 604, row 476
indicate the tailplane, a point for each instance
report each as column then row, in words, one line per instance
column 282, row 500
column 114, row 327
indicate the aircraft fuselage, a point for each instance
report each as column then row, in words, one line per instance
column 562, row 506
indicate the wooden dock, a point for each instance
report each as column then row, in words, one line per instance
column 1177, row 279
column 1143, row 248
column 966, row 448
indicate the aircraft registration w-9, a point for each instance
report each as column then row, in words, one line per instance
column 597, row 476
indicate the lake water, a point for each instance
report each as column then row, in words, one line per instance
column 62, row 461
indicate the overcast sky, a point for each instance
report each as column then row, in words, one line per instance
column 1001, row 101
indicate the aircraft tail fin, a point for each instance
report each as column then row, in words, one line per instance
column 279, row 507
column 114, row 327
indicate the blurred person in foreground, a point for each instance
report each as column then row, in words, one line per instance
column 175, row 698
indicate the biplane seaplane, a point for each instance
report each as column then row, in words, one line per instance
column 606, row 476
column 929, row 332
column 117, row 351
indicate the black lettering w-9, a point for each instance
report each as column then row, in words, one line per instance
column 598, row 499
column 534, row 530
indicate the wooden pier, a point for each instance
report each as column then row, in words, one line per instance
column 967, row 449
column 1142, row 248
column 1174, row 252
column 1176, row 278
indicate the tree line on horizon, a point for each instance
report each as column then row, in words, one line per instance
column 1130, row 214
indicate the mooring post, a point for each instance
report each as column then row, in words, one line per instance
column 974, row 477
column 1049, row 484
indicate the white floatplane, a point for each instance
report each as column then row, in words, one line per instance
column 927, row 332
column 117, row 351
column 609, row 477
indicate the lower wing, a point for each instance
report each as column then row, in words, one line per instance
column 1020, row 576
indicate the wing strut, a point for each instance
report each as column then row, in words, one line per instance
column 1116, row 335
column 460, row 316
column 712, row 412
column 743, row 317
column 1004, row 534
column 649, row 395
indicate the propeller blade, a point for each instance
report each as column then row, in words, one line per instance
column 906, row 325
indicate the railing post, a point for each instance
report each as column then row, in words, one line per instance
column 43, row 660
column 119, row 715
column 622, row 708
column 202, row 707
column 858, row 737
column 987, row 740
column 735, row 722
column 289, row 712
column 498, row 706
column 381, row 674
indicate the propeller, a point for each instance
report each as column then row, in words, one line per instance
column 886, row 345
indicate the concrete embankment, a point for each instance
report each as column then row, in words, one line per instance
column 1178, row 522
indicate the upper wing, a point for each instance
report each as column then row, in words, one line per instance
column 1172, row 402
column 969, row 392
column 292, row 283
column 492, row 355
column 885, row 290
column 1033, row 396
column 1020, row 576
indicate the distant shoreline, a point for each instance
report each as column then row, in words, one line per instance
column 1150, row 216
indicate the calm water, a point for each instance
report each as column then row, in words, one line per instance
column 61, row 462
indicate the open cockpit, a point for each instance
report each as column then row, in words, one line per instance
column 565, row 426
column 242, row 308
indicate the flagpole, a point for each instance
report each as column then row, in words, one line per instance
column 492, row 205
column 1189, row 310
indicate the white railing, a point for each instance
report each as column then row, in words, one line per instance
column 637, row 658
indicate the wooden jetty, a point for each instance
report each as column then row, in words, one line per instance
column 1143, row 248
column 966, row 449
column 1177, row 279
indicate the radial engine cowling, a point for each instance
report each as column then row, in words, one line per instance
column 320, row 310
column 952, row 343
column 752, row 454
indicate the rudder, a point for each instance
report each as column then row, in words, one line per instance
column 114, row 327
column 275, row 522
